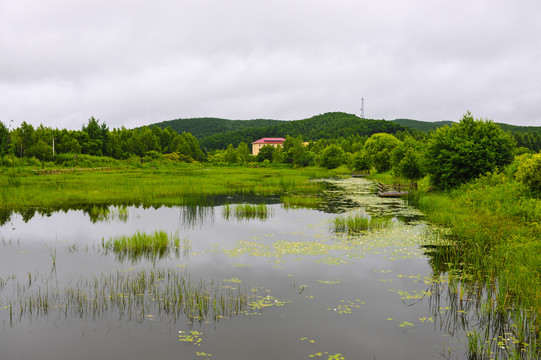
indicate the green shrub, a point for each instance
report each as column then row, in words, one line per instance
column 529, row 173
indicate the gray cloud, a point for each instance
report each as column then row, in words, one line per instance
column 131, row 63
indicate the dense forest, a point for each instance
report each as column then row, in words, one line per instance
column 203, row 127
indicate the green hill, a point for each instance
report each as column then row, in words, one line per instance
column 216, row 133
column 325, row 126
column 424, row 126
column 203, row 127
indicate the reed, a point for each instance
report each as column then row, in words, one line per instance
column 131, row 295
column 356, row 223
column 139, row 245
column 494, row 233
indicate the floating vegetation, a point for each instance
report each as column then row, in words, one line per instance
column 246, row 212
column 192, row 337
column 346, row 307
column 133, row 296
column 406, row 324
column 329, row 282
column 235, row 280
column 262, row 302
column 299, row 201
column 356, row 223
column 139, row 245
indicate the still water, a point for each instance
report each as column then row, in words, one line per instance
column 309, row 291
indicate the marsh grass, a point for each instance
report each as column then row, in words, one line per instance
column 491, row 251
column 242, row 212
column 172, row 186
column 356, row 223
column 131, row 295
column 142, row 245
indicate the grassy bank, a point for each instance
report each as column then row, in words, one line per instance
column 490, row 245
column 25, row 188
column 493, row 251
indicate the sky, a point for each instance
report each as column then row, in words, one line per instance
column 132, row 63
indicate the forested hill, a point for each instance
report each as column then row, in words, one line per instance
column 424, row 126
column 203, row 127
column 325, row 126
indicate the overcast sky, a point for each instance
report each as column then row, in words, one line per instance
column 131, row 63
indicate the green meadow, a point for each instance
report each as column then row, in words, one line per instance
column 24, row 188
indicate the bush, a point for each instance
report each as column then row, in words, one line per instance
column 529, row 172
column 379, row 147
column 463, row 151
column 331, row 158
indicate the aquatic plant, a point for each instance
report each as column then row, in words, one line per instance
column 356, row 223
column 140, row 245
column 168, row 186
column 131, row 295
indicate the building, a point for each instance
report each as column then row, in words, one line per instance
column 257, row 145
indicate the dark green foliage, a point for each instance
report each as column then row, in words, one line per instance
column 360, row 161
column 203, row 127
column 460, row 153
column 529, row 140
column 326, row 126
column 98, row 135
column 424, row 126
column 332, row 157
column 408, row 161
column 4, row 139
column 379, row 147
column 41, row 151
column 265, row 153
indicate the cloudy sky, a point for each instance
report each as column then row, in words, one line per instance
column 131, row 62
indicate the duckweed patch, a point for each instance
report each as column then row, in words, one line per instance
column 346, row 306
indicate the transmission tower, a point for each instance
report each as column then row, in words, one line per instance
column 362, row 108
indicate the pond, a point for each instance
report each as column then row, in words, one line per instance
column 280, row 283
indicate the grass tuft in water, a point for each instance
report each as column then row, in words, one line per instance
column 141, row 245
column 356, row 223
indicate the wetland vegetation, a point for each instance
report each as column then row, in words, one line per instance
column 452, row 272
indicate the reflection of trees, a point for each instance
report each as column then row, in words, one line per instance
column 496, row 326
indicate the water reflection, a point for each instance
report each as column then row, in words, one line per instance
column 382, row 293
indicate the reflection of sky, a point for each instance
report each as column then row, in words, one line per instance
column 369, row 276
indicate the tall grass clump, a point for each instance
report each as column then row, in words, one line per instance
column 139, row 245
column 353, row 224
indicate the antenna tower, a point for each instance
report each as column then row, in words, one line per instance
column 362, row 108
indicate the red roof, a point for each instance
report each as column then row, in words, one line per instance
column 269, row 141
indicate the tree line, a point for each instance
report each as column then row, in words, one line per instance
column 95, row 138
